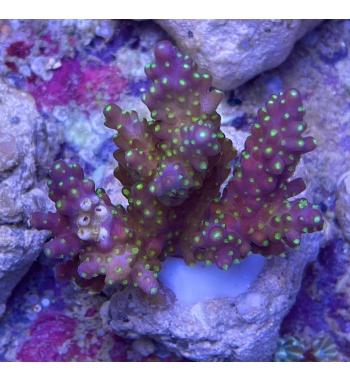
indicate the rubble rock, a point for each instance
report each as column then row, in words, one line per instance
column 234, row 51
column 27, row 149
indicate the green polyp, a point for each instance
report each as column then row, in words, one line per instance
column 74, row 192
column 302, row 204
column 286, row 115
column 196, row 75
column 57, row 166
column 268, row 150
column 278, row 236
column 296, row 241
column 273, row 133
column 182, row 82
column 278, row 165
column 266, row 119
column 108, row 108
column 301, row 109
column 293, row 93
column 181, row 99
column 317, row 219
column 60, row 183
column 59, row 204
column 153, row 290
column 48, row 252
column 165, row 81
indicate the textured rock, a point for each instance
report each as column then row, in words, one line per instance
column 27, row 148
column 245, row 328
column 342, row 205
column 234, row 51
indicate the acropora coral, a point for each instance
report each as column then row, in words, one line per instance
column 171, row 169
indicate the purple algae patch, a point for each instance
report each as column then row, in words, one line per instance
column 71, row 83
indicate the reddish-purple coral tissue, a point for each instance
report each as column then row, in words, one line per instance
column 171, row 169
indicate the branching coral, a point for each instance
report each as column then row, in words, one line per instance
column 172, row 168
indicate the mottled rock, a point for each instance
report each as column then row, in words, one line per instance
column 27, row 148
column 245, row 328
column 234, row 51
column 342, row 205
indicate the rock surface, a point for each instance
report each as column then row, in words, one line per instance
column 27, row 148
column 342, row 205
column 245, row 328
column 234, row 51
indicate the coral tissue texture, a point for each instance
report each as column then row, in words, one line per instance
column 172, row 168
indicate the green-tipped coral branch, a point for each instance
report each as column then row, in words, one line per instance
column 171, row 169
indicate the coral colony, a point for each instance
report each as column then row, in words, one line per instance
column 171, row 169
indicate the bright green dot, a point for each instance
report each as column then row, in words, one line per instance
column 108, row 108
column 153, row 290
column 267, row 118
column 182, row 82
column 74, row 191
column 317, row 219
column 296, row 241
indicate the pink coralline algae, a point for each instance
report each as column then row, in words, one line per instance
column 172, row 168
column 71, row 82
column 49, row 333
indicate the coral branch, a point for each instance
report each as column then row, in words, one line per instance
column 172, row 168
